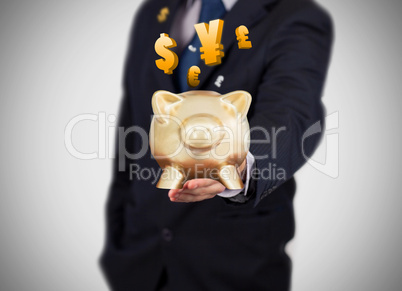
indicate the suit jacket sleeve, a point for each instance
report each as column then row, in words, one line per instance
column 288, row 101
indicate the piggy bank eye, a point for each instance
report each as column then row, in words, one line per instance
column 239, row 100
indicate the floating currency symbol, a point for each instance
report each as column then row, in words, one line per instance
column 242, row 38
column 163, row 13
column 192, row 76
column 162, row 46
column 210, row 37
column 219, row 81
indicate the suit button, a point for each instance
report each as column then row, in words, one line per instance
column 167, row 234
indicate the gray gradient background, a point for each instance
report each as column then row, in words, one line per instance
column 59, row 59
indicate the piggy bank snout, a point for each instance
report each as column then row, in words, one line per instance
column 201, row 132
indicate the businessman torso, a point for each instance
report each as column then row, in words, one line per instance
column 213, row 244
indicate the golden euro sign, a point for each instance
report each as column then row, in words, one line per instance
column 192, row 76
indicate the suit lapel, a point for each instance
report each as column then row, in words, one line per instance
column 242, row 13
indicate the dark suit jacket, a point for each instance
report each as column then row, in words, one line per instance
column 213, row 244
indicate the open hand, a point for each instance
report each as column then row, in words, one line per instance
column 200, row 189
column 196, row 190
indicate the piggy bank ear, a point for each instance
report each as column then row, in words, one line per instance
column 163, row 103
column 240, row 100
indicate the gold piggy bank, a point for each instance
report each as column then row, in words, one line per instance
column 200, row 134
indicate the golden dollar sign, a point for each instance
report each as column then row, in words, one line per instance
column 162, row 16
column 241, row 33
column 162, row 46
column 210, row 36
column 192, row 76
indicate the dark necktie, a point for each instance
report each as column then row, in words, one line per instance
column 210, row 10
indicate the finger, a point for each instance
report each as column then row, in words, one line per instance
column 205, row 188
column 201, row 194
column 196, row 183
column 213, row 188
column 173, row 192
column 192, row 198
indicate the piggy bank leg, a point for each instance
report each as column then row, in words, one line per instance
column 229, row 177
column 171, row 178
